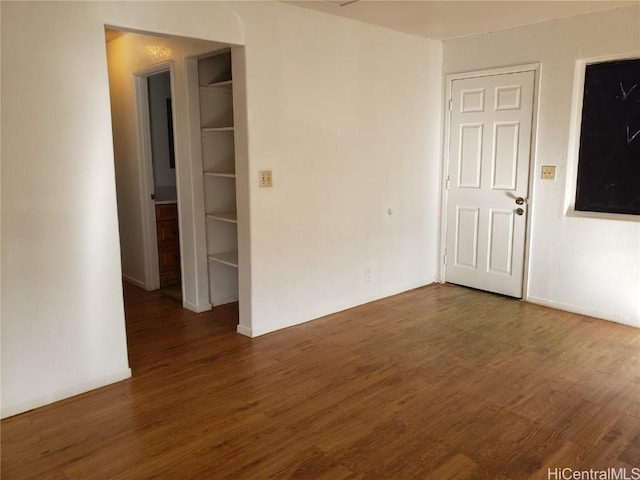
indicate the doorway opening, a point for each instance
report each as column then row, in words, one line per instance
column 163, row 199
column 154, row 90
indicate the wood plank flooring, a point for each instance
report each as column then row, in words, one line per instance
column 438, row 383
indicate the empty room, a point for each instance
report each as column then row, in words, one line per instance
column 340, row 266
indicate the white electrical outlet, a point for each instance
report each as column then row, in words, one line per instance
column 266, row 179
column 548, row 172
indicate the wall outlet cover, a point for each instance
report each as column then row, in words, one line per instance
column 266, row 179
column 548, row 172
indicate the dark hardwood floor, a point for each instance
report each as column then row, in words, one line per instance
column 437, row 383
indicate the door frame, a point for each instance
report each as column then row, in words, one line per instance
column 145, row 167
column 442, row 240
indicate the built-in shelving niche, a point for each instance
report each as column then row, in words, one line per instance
column 218, row 160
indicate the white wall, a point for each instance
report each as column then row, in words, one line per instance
column 586, row 265
column 62, row 313
column 346, row 115
column 348, row 118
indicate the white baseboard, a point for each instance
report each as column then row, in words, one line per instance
column 204, row 307
column 77, row 389
column 224, row 300
column 134, row 281
column 323, row 312
column 583, row 311
column 247, row 332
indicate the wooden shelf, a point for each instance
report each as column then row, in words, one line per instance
column 220, row 174
column 222, row 84
column 217, row 129
column 226, row 258
column 231, row 217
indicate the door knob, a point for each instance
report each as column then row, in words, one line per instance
column 519, row 211
column 519, row 201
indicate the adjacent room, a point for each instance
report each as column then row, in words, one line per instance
column 390, row 245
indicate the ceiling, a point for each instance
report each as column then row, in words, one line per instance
column 444, row 20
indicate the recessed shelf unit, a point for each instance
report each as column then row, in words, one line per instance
column 218, row 160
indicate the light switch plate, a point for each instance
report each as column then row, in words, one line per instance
column 266, row 179
column 548, row 172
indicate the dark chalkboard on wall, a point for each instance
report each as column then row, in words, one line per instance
column 609, row 159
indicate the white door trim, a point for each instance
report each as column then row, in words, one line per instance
column 442, row 240
column 145, row 167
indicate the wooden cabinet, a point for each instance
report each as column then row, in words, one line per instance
column 218, row 160
column 168, row 243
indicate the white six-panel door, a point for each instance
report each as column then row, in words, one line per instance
column 489, row 153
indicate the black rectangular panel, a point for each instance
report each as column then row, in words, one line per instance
column 609, row 158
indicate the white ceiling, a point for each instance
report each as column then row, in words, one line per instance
column 451, row 19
